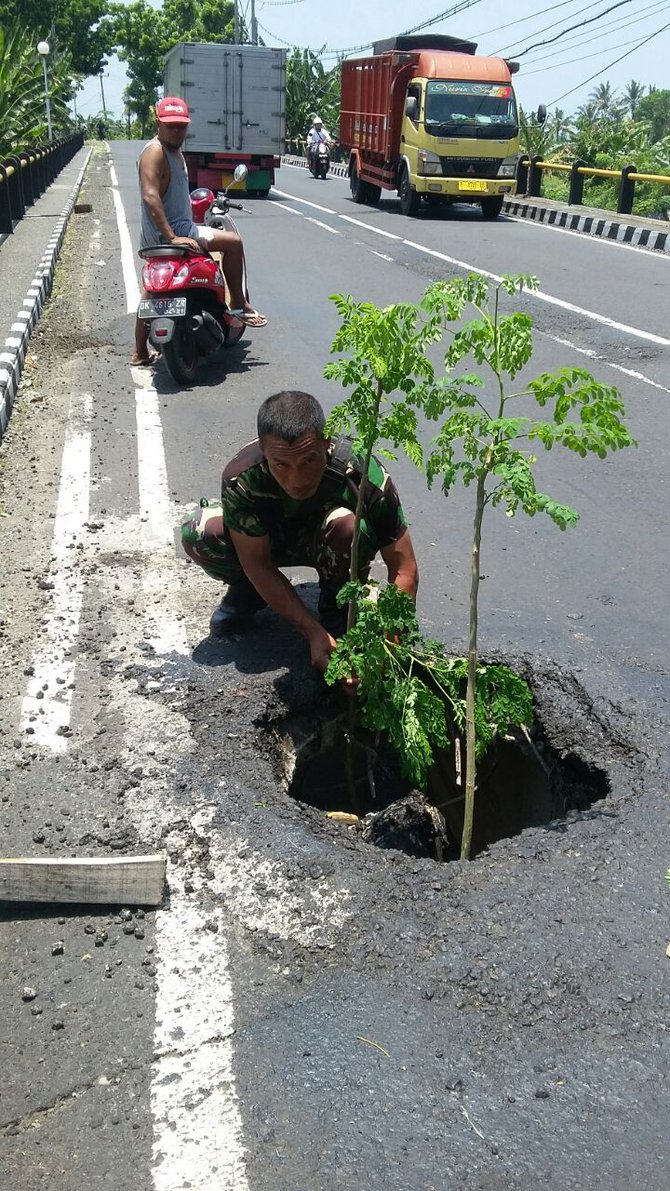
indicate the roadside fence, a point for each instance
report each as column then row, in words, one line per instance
column 25, row 176
column 530, row 170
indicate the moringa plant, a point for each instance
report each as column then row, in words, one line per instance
column 487, row 440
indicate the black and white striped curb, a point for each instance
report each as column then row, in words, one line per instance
column 592, row 225
column 589, row 225
column 13, row 353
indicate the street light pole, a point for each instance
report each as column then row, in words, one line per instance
column 44, row 50
column 102, row 93
column 237, row 22
column 254, row 26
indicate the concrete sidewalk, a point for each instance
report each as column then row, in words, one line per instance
column 590, row 221
column 27, row 264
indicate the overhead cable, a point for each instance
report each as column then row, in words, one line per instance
column 611, row 64
column 589, row 21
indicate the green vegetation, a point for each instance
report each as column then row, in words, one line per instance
column 311, row 90
column 406, row 686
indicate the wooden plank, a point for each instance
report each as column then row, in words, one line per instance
column 117, row 880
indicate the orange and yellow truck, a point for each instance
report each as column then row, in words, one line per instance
column 428, row 117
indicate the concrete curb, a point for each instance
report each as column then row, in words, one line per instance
column 589, row 225
column 13, row 353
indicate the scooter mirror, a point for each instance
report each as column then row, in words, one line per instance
column 241, row 172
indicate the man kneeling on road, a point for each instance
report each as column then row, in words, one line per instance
column 288, row 499
column 166, row 215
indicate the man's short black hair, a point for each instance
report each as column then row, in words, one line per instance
column 290, row 414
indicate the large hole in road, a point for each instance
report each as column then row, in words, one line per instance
column 524, row 781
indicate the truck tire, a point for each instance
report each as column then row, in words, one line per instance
column 492, row 206
column 355, row 185
column 374, row 194
column 410, row 201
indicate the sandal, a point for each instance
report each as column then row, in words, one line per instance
column 250, row 317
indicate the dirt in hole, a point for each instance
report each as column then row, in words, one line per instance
column 523, row 782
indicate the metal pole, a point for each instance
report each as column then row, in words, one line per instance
column 237, row 23
column 254, row 26
column 102, row 93
column 46, row 97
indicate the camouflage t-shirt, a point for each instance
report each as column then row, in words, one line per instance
column 255, row 505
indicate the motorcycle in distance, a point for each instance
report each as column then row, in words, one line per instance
column 186, row 309
column 319, row 160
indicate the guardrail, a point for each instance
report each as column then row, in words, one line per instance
column 25, row 176
column 529, row 180
column 298, row 148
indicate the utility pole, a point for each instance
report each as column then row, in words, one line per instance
column 237, row 22
column 254, row 26
column 102, row 95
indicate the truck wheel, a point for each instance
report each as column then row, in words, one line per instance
column 262, row 193
column 409, row 199
column 492, row 206
column 356, row 186
column 374, row 194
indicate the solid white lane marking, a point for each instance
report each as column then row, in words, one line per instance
column 46, row 708
column 166, row 629
column 379, row 231
column 306, row 202
column 568, row 231
column 542, row 297
column 127, row 253
column 593, row 355
column 197, row 1123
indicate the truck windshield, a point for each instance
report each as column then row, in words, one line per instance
column 470, row 109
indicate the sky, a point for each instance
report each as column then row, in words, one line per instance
column 557, row 74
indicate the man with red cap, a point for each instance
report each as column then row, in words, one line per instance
column 166, row 214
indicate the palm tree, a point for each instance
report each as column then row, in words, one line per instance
column 632, row 95
column 560, row 126
column 22, row 109
column 606, row 104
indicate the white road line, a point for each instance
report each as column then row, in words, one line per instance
column 197, row 1123
column 326, row 227
column 377, row 230
column 567, row 231
column 165, row 621
column 542, row 297
column 45, row 711
column 295, row 199
column 383, row 255
column 593, row 355
column 127, row 254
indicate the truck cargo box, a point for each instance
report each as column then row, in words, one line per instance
column 235, row 94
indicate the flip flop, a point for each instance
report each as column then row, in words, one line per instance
column 250, row 317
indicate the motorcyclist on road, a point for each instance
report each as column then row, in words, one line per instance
column 166, row 215
column 317, row 134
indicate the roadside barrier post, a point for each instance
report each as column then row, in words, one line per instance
column 576, row 193
column 626, row 190
column 522, row 175
column 535, row 177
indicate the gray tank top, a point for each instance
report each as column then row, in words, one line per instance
column 176, row 202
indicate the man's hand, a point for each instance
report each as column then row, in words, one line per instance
column 187, row 240
column 321, row 645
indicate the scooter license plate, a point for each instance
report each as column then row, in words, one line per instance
column 161, row 308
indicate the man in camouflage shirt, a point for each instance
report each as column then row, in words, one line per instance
column 288, row 499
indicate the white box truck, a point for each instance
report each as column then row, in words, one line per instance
column 237, row 99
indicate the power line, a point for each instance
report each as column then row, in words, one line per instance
column 440, row 16
column 610, row 65
column 583, row 58
column 522, row 20
column 562, row 32
column 613, row 26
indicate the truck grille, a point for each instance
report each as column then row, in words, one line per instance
column 470, row 167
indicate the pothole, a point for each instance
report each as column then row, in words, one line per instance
column 523, row 782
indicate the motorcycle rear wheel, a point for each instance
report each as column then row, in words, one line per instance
column 181, row 355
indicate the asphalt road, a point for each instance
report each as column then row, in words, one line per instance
column 307, row 1012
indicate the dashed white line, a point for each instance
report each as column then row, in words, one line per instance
column 593, row 355
column 46, row 707
column 567, row 231
column 379, row 231
column 540, row 296
column 294, row 198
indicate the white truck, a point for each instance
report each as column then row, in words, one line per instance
column 236, row 95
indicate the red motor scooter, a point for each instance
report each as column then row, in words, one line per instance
column 186, row 309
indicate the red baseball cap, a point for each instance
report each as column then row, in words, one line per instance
column 172, row 110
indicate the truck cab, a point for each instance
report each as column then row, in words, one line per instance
column 434, row 123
